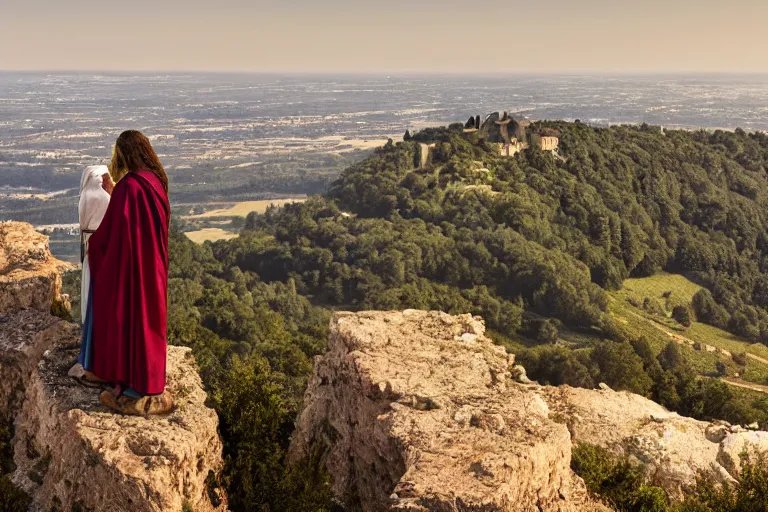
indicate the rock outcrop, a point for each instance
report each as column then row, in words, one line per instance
column 29, row 276
column 30, row 281
column 672, row 449
column 72, row 454
column 420, row 411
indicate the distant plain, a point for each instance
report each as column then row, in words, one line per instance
column 232, row 138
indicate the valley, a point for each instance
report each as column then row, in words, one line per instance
column 602, row 255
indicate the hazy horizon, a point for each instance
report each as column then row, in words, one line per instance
column 394, row 73
column 354, row 37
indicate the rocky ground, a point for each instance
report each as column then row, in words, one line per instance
column 412, row 411
column 71, row 453
column 420, row 411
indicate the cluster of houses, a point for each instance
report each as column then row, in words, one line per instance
column 512, row 134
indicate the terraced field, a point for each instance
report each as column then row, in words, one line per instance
column 705, row 344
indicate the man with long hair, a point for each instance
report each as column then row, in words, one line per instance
column 128, row 257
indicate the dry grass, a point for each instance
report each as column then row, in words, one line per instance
column 246, row 207
column 210, row 234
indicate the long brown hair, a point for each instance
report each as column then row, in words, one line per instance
column 133, row 152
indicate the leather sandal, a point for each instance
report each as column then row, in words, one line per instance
column 146, row 406
column 156, row 404
column 124, row 404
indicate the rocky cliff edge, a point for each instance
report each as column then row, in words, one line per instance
column 72, row 454
column 417, row 411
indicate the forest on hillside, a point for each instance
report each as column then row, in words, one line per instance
column 534, row 244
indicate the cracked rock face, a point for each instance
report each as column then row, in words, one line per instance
column 72, row 454
column 29, row 276
column 24, row 337
column 673, row 449
column 417, row 411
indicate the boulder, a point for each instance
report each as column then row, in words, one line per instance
column 735, row 446
column 29, row 276
column 420, row 411
column 417, row 411
column 73, row 454
column 672, row 449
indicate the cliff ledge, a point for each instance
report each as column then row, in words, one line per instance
column 417, row 411
column 71, row 453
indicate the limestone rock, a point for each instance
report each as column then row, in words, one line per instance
column 29, row 276
column 72, row 454
column 735, row 445
column 24, row 337
column 716, row 433
column 30, row 281
column 673, row 449
column 413, row 417
column 520, row 375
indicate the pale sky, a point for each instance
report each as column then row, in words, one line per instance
column 450, row 36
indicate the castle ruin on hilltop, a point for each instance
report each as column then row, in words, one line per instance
column 512, row 134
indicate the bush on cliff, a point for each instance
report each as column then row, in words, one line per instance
column 252, row 342
column 617, row 482
column 751, row 495
column 623, row 486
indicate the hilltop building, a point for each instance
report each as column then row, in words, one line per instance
column 512, row 134
column 545, row 142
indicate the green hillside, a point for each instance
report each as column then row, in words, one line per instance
column 557, row 252
column 705, row 345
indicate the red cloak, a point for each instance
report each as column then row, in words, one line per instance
column 128, row 256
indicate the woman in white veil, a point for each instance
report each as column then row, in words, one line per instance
column 95, row 188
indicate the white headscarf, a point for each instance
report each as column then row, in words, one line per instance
column 93, row 198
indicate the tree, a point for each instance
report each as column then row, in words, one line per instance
column 682, row 315
column 670, row 357
column 722, row 369
column 621, row 368
column 547, row 333
column 653, row 307
column 741, row 325
column 708, row 311
column 620, row 483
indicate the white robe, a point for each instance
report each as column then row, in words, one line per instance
column 93, row 205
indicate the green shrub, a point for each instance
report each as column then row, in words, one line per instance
column 682, row 315
column 653, row 307
column 615, row 481
column 256, row 418
column 547, row 332
column 622, row 486
column 751, row 495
